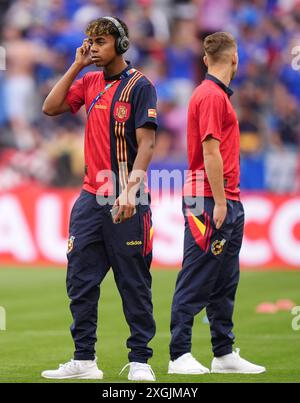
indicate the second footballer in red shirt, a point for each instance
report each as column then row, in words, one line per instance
column 214, row 219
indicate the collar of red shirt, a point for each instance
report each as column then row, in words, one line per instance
column 224, row 87
column 117, row 76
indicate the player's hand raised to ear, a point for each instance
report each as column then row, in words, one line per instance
column 83, row 55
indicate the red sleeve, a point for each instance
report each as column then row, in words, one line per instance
column 75, row 96
column 211, row 112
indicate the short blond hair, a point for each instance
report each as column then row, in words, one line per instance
column 216, row 45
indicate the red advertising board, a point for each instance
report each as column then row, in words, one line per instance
column 34, row 229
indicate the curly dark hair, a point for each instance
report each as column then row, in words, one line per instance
column 102, row 26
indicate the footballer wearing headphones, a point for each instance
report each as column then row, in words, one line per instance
column 108, row 226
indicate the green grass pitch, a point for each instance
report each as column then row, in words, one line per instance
column 37, row 335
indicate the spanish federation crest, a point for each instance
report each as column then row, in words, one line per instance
column 122, row 111
column 70, row 244
column 217, row 247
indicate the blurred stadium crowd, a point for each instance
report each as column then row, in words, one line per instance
column 41, row 36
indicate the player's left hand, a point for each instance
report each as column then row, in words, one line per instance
column 126, row 207
column 220, row 212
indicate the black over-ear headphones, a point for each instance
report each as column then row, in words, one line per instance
column 122, row 43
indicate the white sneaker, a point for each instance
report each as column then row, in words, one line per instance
column 234, row 364
column 187, row 364
column 139, row 372
column 75, row 369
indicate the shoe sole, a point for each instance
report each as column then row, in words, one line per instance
column 100, row 376
column 141, row 380
column 170, row 372
column 236, row 372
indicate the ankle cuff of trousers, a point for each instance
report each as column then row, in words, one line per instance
column 84, row 357
column 138, row 359
column 223, row 351
column 174, row 356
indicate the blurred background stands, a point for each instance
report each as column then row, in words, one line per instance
column 41, row 36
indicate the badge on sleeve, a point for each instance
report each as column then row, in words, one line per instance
column 152, row 113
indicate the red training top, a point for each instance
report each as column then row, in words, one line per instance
column 110, row 134
column 211, row 114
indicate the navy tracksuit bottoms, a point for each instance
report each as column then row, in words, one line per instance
column 209, row 277
column 95, row 245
